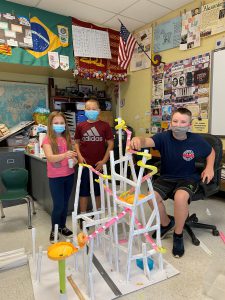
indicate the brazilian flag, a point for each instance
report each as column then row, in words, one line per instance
column 44, row 35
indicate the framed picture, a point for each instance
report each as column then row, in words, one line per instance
column 85, row 89
column 101, row 94
column 71, row 91
column 60, row 92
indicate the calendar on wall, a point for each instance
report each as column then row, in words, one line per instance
column 89, row 42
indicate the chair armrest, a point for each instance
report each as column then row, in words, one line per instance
column 210, row 188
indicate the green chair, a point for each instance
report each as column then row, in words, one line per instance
column 15, row 183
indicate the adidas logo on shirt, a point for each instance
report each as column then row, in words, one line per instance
column 92, row 135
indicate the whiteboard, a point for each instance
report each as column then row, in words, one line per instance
column 217, row 122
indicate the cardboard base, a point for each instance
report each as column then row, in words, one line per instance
column 48, row 287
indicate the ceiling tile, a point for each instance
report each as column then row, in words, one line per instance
column 145, row 11
column 134, row 13
column 109, row 5
column 172, row 4
column 130, row 24
column 75, row 9
column 25, row 2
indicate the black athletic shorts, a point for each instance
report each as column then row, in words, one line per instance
column 167, row 187
column 85, row 184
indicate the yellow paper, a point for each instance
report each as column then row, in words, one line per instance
column 165, row 125
column 200, row 126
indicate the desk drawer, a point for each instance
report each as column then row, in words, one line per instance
column 11, row 160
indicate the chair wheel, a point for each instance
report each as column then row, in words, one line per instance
column 215, row 232
column 2, row 217
column 195, row 220
column 34, row 213
column 195, row 242
column 29, row 227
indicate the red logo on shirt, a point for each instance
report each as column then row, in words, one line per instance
column 188, row 155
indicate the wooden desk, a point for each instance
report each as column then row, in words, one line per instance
column 39, row 184
column 222, row 185
column 154, row 153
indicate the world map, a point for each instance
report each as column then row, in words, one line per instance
column 19, row 100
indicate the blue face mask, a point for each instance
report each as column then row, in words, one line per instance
column 58, row 128
column 92, row 114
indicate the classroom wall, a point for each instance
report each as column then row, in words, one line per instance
column 62, row 79
column 137, row 90
column 21, row 73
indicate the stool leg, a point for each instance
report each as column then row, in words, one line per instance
column 32, row 202
column 2, row 212
column 29, row 212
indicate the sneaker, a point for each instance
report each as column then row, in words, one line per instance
column 52, row 237
column 164, row 230
column 178, row 246
column 65, row 231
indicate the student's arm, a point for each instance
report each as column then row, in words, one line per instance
column 141, row 142
column 81, row 159
column 208, row 172
column 110, row 146
column 56, row 157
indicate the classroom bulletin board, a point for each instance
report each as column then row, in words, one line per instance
column 183, row 83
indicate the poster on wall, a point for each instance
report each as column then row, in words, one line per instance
column 200, row 126
column 158, row 86
column 89, row 42
column 47, row 36
column 139, row 59
column 19, row 100
column 15, row 31
column 167, row 35
column 183, row 83
column 213, row 18
column 100, row 68
column 190, row 34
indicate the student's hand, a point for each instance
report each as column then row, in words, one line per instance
column 81, row 159
column 70, row 154
column 136, row 143
column 207, row 175
column 99, row 165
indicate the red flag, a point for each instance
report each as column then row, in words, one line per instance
column 126, row 47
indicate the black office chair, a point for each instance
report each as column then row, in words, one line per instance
column 204, row 190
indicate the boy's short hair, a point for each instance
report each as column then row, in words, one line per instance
column 93, row 100
column 183, row 111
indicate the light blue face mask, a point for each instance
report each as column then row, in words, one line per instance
column 59, row 128
column 92, row 114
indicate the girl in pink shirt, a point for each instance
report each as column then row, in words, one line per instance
column 58, row 150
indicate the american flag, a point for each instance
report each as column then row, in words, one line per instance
column 126, row 47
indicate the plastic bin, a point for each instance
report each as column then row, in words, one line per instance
column 17, row 141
